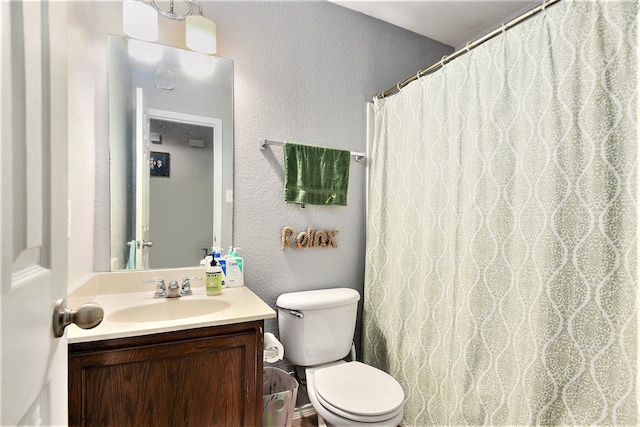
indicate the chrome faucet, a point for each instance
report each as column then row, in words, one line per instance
column 173, row 291
column 185, row 289
column 161, row 288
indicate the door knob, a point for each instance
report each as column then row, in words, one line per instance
column 147, row 244
column 87, row 316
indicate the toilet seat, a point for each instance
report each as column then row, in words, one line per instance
column 358, row 392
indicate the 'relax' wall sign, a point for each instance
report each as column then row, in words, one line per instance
column 309, row 238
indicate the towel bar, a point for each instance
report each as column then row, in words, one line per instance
column 357, row 156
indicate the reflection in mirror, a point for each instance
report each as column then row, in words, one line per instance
column 171, row 147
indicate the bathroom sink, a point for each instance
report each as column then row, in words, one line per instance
column 168, row 309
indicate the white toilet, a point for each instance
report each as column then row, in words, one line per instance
column 316, row 329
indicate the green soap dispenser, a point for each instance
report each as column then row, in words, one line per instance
column 213, row 278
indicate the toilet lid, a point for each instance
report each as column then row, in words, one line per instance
column 359, row 389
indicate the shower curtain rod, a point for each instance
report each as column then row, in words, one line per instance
column 467, row 48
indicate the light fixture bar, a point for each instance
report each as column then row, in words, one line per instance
column 140, row 21
column 171, row 13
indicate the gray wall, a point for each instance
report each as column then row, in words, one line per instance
column 303, row 71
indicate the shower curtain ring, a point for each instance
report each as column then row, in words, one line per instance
column 544, row 8
column 442, row 61
column 467, row 47
column 504, row 28
column 398, row 87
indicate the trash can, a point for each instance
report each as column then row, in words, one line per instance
column 280, row 391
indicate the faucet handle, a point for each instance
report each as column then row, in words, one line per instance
column 161, row 288
column 185, row 289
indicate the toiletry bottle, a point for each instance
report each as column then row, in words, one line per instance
column 240, row 261
column 206, row 261
column 235, row 271
column 213, row 278
column 203, row 261
column 222, row 263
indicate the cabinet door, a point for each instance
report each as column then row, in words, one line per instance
column 201, row 382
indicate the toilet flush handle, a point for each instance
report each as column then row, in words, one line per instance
column 297, row 313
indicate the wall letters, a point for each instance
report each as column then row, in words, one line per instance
column 309, row 238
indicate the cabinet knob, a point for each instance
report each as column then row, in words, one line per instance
column 87, row 316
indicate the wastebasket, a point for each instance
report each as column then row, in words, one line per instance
column 280, row 391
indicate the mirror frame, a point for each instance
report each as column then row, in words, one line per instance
column 223, row 140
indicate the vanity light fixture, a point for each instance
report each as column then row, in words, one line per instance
column 140, row 21
column 201, row 33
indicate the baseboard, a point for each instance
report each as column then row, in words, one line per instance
column 303, row 411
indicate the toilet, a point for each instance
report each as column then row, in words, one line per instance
column 316, row 330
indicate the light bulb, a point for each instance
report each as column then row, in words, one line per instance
column 139, row 20
column 201, row 34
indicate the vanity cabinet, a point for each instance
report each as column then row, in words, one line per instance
column 209, row 376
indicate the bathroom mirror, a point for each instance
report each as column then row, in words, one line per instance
column 171, row 152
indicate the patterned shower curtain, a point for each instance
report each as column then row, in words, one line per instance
column 501, row 275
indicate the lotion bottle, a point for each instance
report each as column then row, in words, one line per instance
column 235, row 270
column 213, row 278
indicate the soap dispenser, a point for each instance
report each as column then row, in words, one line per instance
column 213, row 278
column 206, row 260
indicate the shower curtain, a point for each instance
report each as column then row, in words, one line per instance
column 501, row 273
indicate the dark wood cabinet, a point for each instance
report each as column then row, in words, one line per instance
column 198, row 377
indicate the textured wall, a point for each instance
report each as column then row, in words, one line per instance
column 304, row 72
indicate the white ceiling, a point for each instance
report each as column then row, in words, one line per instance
column 452, row 22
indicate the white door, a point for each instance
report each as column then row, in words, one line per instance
column 142, row 181
column 33, row 213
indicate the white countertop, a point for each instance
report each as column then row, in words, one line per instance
column 238, row 305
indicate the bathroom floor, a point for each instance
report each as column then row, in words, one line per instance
column 308, row 421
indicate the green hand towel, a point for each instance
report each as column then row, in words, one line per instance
column 315, row 175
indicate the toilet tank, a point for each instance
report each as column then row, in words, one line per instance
column 317, row 327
